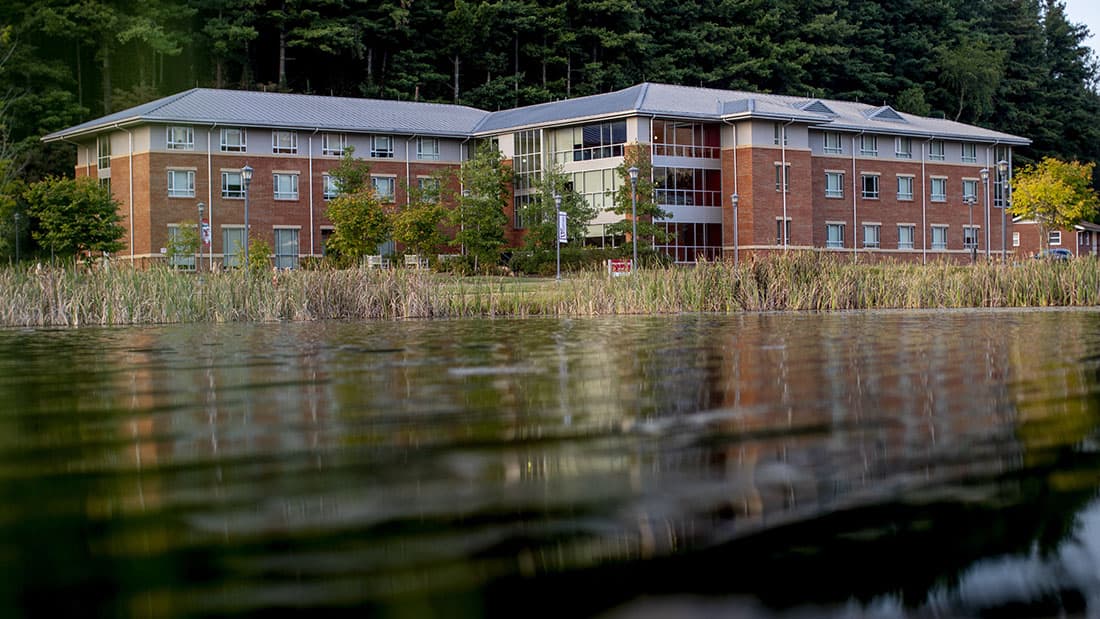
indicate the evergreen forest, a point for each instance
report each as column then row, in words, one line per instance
column 1018, row 66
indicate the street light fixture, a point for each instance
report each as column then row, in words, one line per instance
column 198, row 229
column 246, row 178
column 634, row 213
column 735, row 199
column 1006, row 200
column 971, row 238
column 557, row 236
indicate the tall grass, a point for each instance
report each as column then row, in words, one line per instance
column 798, row 281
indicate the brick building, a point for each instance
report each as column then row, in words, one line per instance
column 808, row 173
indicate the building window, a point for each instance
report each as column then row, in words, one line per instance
column 105, row 182
column 429, row 188
column 939, row 190
column 936, row 151
column 384, row 186
column 1015, row 239
column 330, row 188
column 779, row 130
column 381, row 146
column 232, row 245
column 939, row 237
column 868, row 145
column 905, row 188
column 1055, row 237
column 286, row 248
column 284, row 142
column 181, row 183
column 970, row 189
column 833, row 143
column 181, row 138
column 834, row 235
column 232, row 186
column 870, row 186
column 672, row 186
column 603, row 140
column 903, row 148
column 103, row 148
column 286, row 185
column 179, row 255
column 780, row 229
column 834, row 184
column 905, row 236
column 781, row 179
column 427, row 149
column 233, row 141
column 970, row 237
column 970, row 153
column 334, row 144
column 871, row 234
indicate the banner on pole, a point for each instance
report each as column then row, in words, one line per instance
column 206, row 233
column 563, row 235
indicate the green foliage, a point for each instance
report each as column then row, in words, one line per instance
column 360, row 223
column 182, row 248
column 259, row 256
column 540, row 217
column 74, row 216
column 480, row 218
column 1056, row 194
column 417, row 225
column 971, row 70
column 646, row 208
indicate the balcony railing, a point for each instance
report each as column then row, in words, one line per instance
column 585, row 154
column 679, row 150
column 688, row 197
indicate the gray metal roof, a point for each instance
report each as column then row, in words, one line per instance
column 269, row 109
column 714, row 104
column 265, row 109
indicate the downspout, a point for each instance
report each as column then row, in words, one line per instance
column 1006, row 194
column 310, row 157
column 783, row 178
column 130, row 173
column 462, row 189
column 924, row 200
column 210, row 193
column 408, row 181
column 988, row 215
column 855, row 199
column 721, row 199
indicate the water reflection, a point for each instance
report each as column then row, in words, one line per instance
column 487, row 466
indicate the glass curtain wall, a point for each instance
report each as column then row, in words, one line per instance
column 680, row 139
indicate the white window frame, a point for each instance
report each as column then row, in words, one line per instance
column 972, row 235
column 376, row 149
column 227, row 146
column 972, row 156
column 330, row 187
column 942, row 195
column 232, row 194
column 875, row 230
column 830, row 228
column 869, row 195
column 327, row 147
column 786, row 177
column 188, row 189
column 936, row 151
column 1015, row 239
column 427, row 149
column 780, row 229
column 970, row 183
column 779, row 129
column 833, row 149
column 905, row 195
column 429, row 186
column 103, row 152
column 230, row 258
column 834, row 184
column 907, row 153
column 184, row 262
column 285, row 260
column 284, row 142
column 911, row 230
column 1054, row 237
column 941, row 232
column 386, row 197
column 868, row 149
column 173, row 141
column 282, row 193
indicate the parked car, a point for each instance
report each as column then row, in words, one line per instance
column 1058, row 253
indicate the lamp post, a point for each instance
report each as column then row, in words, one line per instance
column 557, row 236
column 246, row 178
column 634, row 213
column 735, row 199
column 198, row 229
column 1002, row 167
column 17, row 238
column 985, row 188
column 971, row 236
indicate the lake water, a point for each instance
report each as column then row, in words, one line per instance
column 763, row 465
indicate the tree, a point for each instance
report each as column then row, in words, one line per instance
column 360, row 222
column 417, row 225
column 74, row 216
column 972, row 70
column 541, row 218
column 480, row 217
column 1056, row 194
column 646, row 209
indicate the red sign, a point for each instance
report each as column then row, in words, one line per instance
column 619, row 267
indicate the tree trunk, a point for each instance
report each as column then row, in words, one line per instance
column 105, row 52
column 568, row 75
column 219, row 66
column 457, row 62
column 79, row 78
column 282, row 56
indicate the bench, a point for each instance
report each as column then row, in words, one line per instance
column 377, row 261
column 415, row 261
